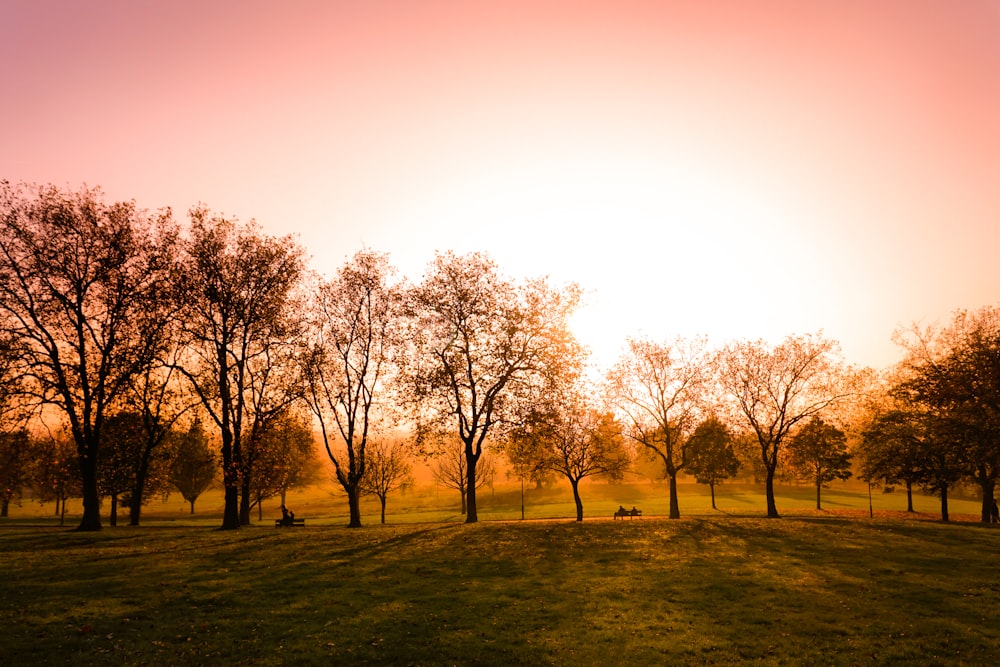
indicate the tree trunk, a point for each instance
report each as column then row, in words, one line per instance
column 819, row 486
column 245, row 500
column 909, row 496
column 711, row 487
column 944, row 502
column 471, row 514
column 988, row 486
column 231, row 513
column 772, row 509
column 576, row 498
column 62, row 514
column 462, row 493
column 260, row 511
column 114, row 510
column 382, row 499
column 91, row 519
column 192, row 507
column 138, row 489
column 354, row 505
column 3, row 508
column 675, row 509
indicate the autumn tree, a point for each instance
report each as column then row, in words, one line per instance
column 712, row 458
column 56, row 473
column 581, row 441
column 891, row 450
column 450, row 470
column 193, row 466
column 954, row 372
column 15, row 467
column 83, row 288
column 285, row 457
column 659, row 390
column 775, row 388
column 483, row 345
column 818, row 453
column 238, row 284
column 387, row 469
column 354, row 336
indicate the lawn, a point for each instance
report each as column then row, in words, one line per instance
column 834, row 588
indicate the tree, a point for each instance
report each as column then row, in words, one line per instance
column 776, row 388
column 354, row 336
column 818, row 453
column 450, row 471
column 238, row 285
column 712, row 459
column 891, row 450
column 83, row 287
column 285, row 457
column 193, row 467
column 387, row 469
column 954, row 372
column 659, row 387
column 582, row 442
column 483, row 346
column 277, row 438
column 56, row 474
column 15, row 467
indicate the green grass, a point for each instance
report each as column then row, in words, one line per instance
column 825, row 590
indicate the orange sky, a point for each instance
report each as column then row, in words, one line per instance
column 737, row 169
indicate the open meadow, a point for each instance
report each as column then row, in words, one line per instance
column 831, row 587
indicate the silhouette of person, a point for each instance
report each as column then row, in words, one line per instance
column 286, row 516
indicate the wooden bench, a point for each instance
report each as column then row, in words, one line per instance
column 622, row 513
column 281, row 523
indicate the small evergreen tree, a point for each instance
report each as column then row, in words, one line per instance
column 818, row 452
column 712, row 458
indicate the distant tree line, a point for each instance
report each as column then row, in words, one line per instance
column 139, row 356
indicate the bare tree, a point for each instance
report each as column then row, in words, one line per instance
column 354, row 335
column 776, row 388
column 83, row 286
column 387, row 469
column 238, row 283
column 450, row 470
column 659, row 388
column 483, row 344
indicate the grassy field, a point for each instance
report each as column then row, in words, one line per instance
column 832, row 587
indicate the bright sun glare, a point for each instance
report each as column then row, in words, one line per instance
column 690, row 246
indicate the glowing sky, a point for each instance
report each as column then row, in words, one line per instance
column 736, row 169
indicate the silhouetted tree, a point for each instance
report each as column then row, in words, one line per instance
column 285, row 457
column 954, row 372
column 711, row 456
column 483, row 345
column 891, row 450
column 193, row 467
column 580, row 442
column 56, row 474
column 83, row 288
column 776, row 388
column 659, row 389
column 450, row 470
column 238, row 284
column 387, row 469
column 818, row 453
column 15, row 467
column 355, row 332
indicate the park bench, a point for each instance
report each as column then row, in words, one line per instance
column 622, row 513
column 281, row 523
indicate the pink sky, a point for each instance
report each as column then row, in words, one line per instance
column 738, row 169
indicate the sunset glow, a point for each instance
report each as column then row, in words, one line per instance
column 733, row 169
